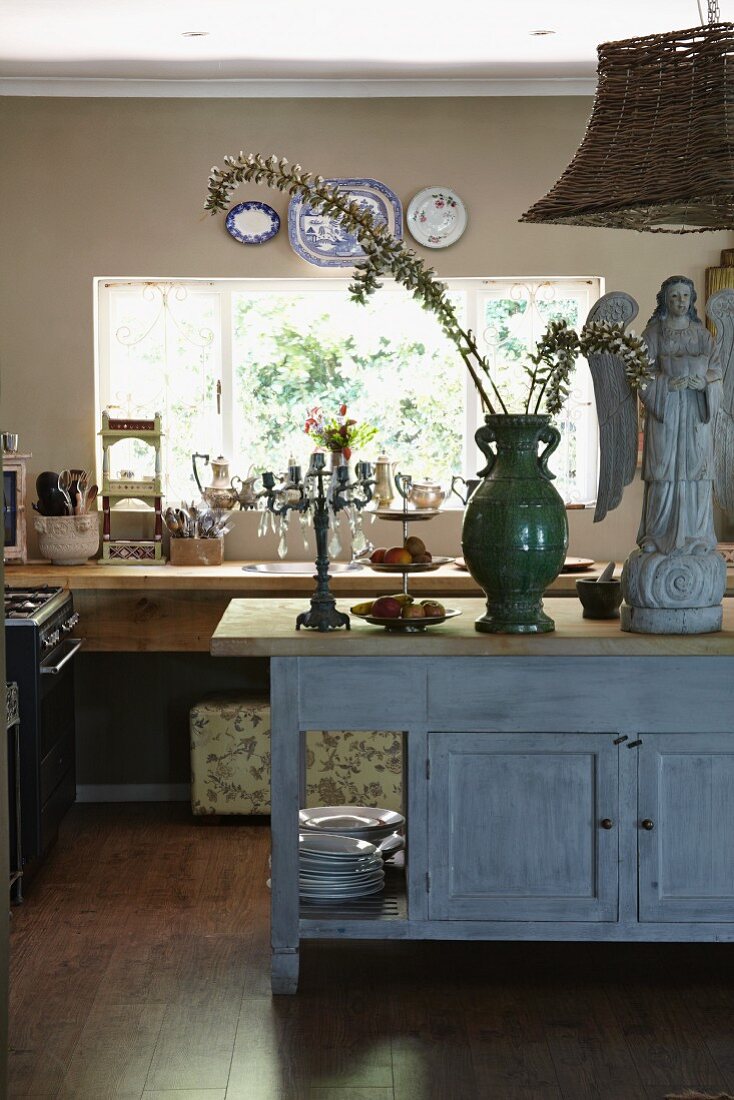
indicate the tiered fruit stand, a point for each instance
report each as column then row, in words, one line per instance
column 406, row 516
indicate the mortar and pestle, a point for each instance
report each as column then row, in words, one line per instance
column 600, row 598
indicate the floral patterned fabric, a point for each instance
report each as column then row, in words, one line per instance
column 230, row 761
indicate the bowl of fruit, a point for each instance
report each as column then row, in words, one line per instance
column 403, row 612
column 411, row 557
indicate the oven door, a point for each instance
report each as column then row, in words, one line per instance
column 57, row 765
column 55, row 662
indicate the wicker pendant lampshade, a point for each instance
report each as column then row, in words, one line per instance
column 658, row 153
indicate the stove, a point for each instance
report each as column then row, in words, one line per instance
column 39, row 652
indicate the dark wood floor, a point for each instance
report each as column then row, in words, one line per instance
column 140, row 968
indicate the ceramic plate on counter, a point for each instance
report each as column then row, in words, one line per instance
column 252, row 222
column 321, row 241
column 571, row 565
column 412, row 567
column 436, row 217
column 577, row 565
column 409, row 626
column 411, row 514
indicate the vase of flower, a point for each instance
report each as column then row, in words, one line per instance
column 515, row 531
column 337, row 434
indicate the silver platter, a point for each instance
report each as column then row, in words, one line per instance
column 299, row 567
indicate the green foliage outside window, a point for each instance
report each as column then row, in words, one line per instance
column 293, row 352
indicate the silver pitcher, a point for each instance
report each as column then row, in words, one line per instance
column 384, row 490
column 244, row 487
column 469, row 483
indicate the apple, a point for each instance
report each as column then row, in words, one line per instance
column 378, row 555
column 432, row 608
column 413, row 611
column 397, row 555
column 422, row 559
column 402, row 598
column 386, row 608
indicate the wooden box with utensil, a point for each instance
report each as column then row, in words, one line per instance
column 196, row 551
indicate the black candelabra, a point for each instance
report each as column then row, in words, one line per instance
column 309, row 495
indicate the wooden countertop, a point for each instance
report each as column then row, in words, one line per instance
column 266, row 628
column 176, row 609
column 230, row 578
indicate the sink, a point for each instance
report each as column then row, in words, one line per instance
column 302, row 567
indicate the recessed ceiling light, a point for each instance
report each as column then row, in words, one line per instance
column 194, row 34
column 540, row 34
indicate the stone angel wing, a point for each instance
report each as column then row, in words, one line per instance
column 720, row 309
column 616, row 408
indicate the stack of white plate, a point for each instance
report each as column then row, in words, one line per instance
column 338, row 868
column 360, row 822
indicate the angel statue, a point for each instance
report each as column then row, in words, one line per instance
column 674, row 582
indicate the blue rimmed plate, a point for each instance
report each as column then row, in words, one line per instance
column 252, row 222
column 322, row 241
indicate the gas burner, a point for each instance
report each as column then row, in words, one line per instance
column 26, row 603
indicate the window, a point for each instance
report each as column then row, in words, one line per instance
column 233, row 366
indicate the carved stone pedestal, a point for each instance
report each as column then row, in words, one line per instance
column 673, row 593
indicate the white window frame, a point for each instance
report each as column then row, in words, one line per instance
column 475, row 288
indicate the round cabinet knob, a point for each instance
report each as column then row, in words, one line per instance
column 648, row 824
column 607, row 823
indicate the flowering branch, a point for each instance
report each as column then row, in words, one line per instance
column 554, row 359
column 560, row 346
column 556, row 351
column 383, row 253
column 599, row 337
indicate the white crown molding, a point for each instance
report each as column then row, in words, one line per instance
column 296, row 89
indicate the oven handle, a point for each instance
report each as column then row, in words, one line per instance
column 74, row 645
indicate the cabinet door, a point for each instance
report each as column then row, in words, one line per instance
column 516, row 826
column 686, row 857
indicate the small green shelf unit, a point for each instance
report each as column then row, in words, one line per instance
column 148, row 489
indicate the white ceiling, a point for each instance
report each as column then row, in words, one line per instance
column 281, row 39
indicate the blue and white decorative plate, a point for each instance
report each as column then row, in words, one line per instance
column 252, row 222
column 322, row 241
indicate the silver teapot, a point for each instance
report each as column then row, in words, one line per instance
column 421, row 494
column 224, row 493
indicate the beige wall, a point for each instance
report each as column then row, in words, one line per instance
column 115, row 187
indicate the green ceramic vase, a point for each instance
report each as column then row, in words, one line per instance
column 515, row 532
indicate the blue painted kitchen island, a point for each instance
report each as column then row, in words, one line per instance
column 571, row 786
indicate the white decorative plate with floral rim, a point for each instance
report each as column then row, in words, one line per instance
column 322, row 241
column 436, row 217
column 252, row 222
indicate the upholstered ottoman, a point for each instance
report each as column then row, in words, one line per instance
column 230, row 761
